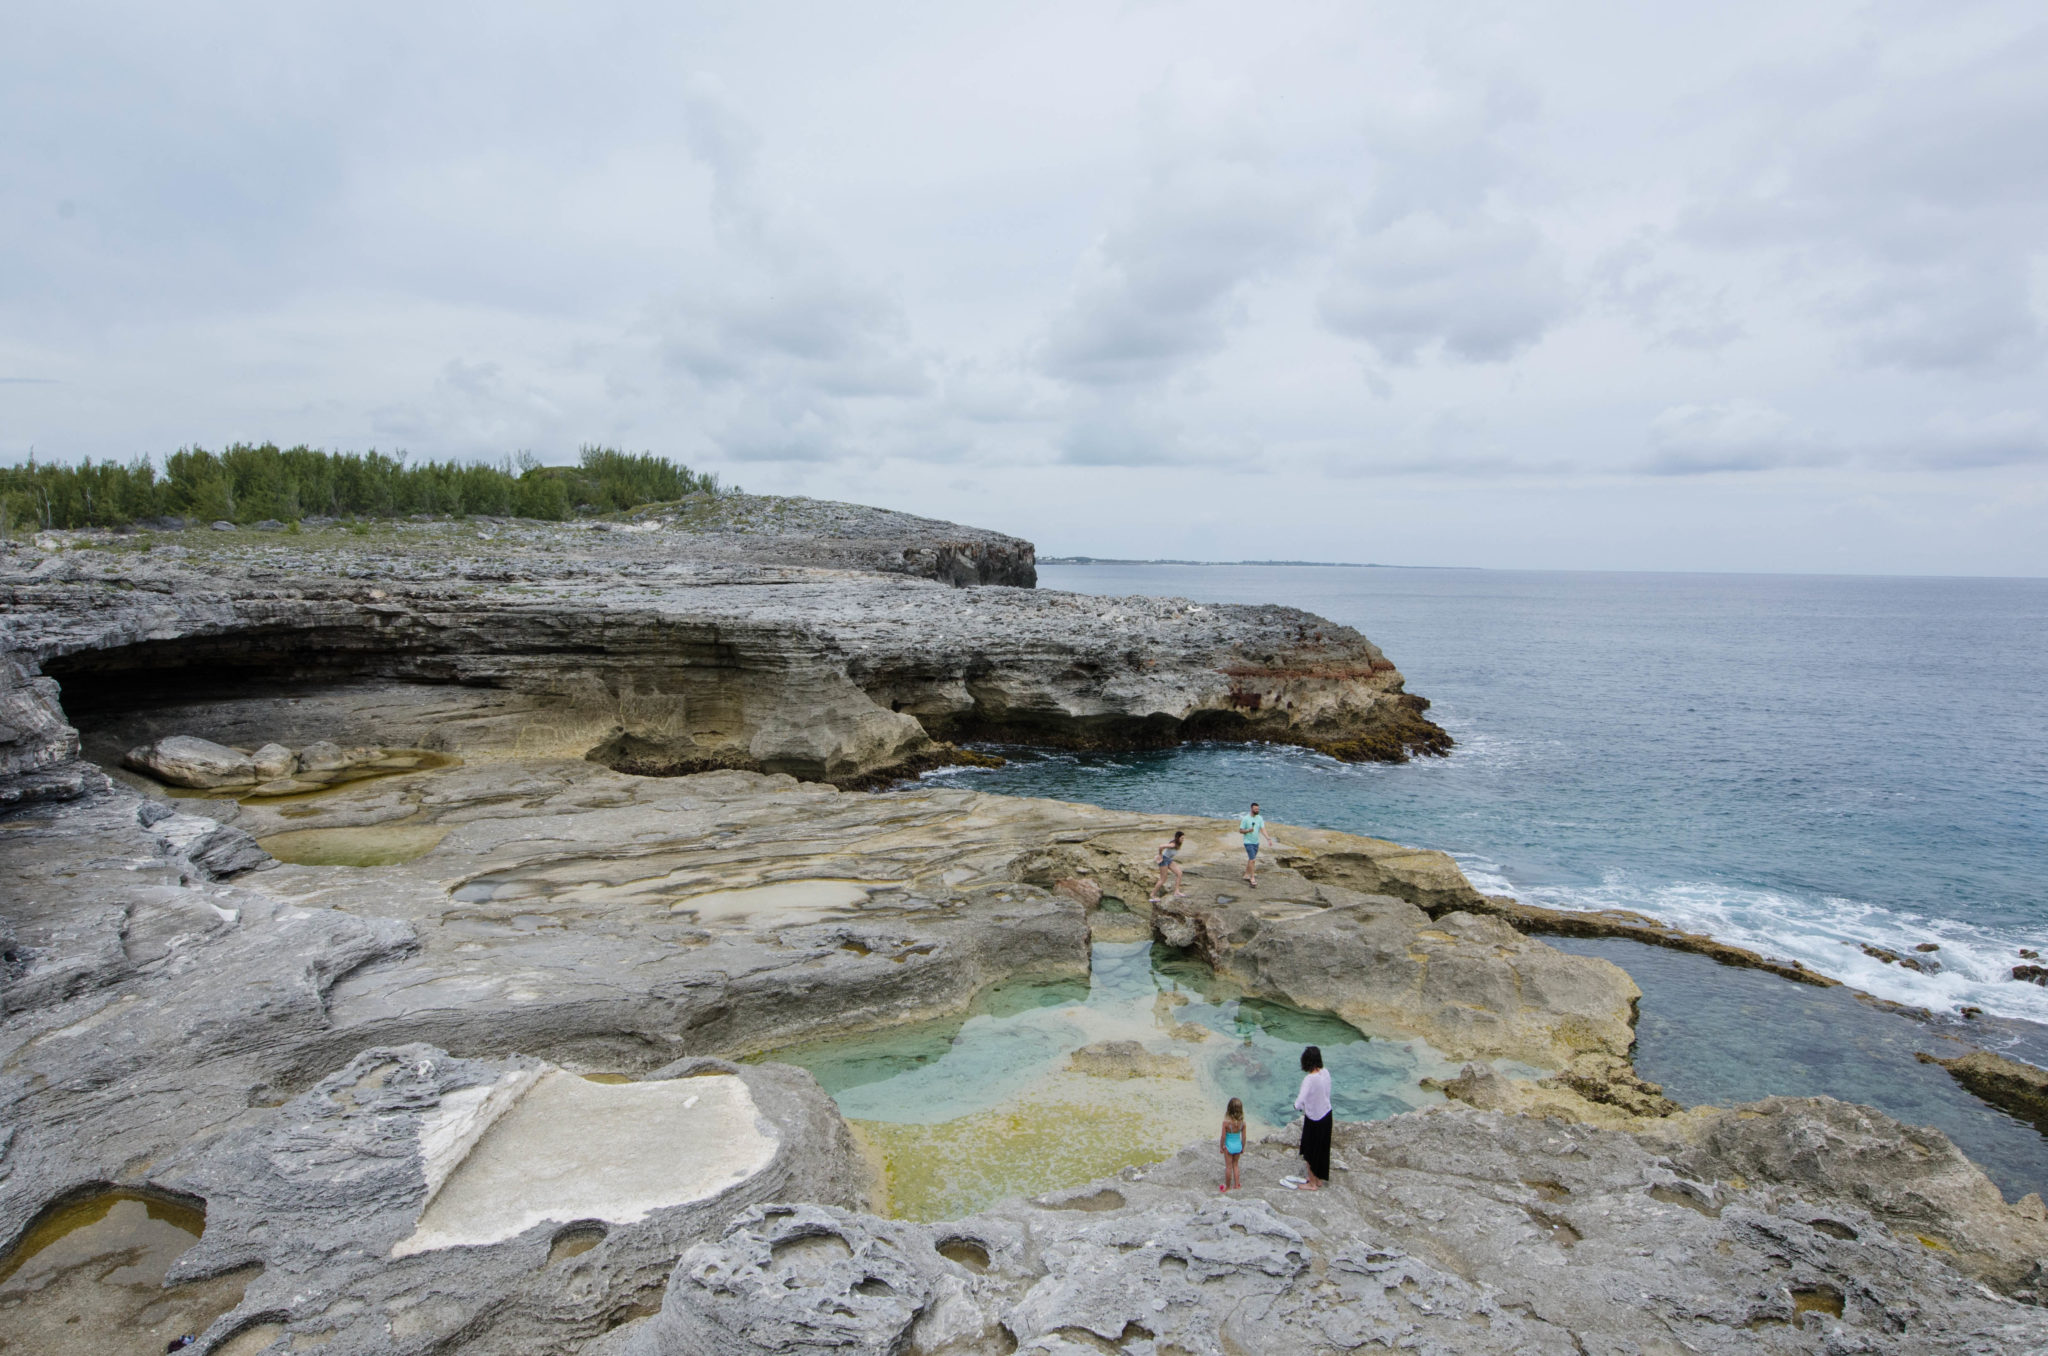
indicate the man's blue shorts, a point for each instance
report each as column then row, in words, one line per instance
column 1251, row 850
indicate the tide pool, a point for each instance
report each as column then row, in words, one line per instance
column 1049, row 1083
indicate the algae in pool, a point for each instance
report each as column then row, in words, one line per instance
column 88, row 1277
column 1047, row 1084
column 375, row 845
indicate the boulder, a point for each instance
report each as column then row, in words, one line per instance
column 273, row 761
column 324, row 755
column 201, row 764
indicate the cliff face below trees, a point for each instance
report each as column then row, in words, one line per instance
column 826, row 641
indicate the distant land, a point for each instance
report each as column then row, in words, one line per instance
column 1320, row 564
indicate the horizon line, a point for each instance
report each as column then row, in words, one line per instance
column 1523, row 569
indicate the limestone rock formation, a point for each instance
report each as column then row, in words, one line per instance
column 410, row 1199
column 1467, row 983
column 1452, row 1231
column 434, row 1015
column 1912, row 1178
column 666, row 644
column 175, row 1025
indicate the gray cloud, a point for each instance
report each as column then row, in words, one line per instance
column 1477, row 289
column 1738, row 435
column 780, row 328
column 1748, row 436
column 1671, row 303
column 1165, row 286
column 1909, row 196
column 1954, row 442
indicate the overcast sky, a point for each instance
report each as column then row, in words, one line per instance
column 1735, row 286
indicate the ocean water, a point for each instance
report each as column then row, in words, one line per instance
column 1798, row 764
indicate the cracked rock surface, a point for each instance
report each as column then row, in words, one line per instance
column 1443, row 1231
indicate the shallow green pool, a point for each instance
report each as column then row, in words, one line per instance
column 1050, row 1083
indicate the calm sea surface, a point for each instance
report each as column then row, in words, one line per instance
column 1797, row 764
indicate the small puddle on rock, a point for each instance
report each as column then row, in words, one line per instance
column 1052, row 1083
column 374, row 845
column 88, row 1278
column 676, row 883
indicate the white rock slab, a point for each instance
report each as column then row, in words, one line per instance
column 570, row 1149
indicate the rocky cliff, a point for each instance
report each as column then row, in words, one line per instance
column 828, row 642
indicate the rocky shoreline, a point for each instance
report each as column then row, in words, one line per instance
column 821, row 641
column 450, row 1026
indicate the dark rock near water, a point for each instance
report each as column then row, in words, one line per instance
column 2019, row 1088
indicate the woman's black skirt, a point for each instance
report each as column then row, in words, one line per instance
column 1315, row 1145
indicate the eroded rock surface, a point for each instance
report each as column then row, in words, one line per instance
column 171, row 1024
column 377, row 1202
column 1468, row 983
column 2018, row 1088
column 1449, row 1231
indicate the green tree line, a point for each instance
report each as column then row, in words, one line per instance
column 248, row 484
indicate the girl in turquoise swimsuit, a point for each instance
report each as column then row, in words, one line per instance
column 1231, row 1142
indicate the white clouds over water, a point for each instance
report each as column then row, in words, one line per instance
column 1757, row 286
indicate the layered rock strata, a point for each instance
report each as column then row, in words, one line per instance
column 659, row 645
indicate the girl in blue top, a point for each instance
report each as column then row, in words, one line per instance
column 1231, row 1142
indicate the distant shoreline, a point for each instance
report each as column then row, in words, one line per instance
column 1319, row 564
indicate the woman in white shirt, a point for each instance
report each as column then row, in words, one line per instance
column 1313, row 1102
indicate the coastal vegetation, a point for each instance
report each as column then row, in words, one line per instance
column 247, row 483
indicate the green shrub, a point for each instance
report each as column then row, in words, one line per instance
column 246, row 484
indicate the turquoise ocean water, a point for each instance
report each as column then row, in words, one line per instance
column 1796, row 764
column 1802, row 765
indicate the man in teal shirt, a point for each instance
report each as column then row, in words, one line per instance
column 1253, row 826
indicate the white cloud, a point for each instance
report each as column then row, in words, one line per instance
column 1478, row 290
column 1164, row 287
column 1736, row 435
